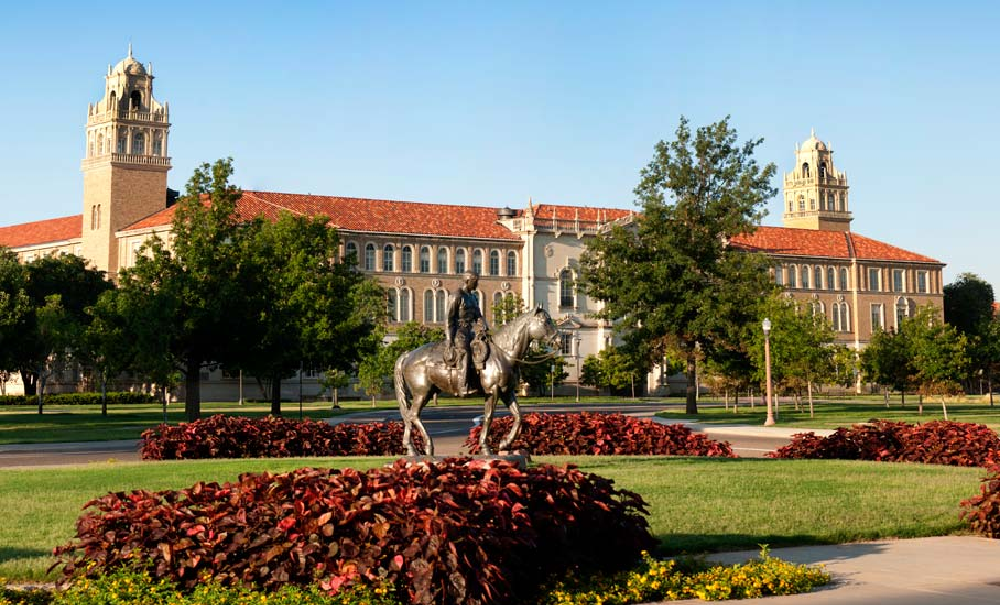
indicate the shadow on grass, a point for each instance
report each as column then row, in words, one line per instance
column 736, row 548
column 8, row 553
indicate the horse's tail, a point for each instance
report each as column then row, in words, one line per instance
column 400, row 383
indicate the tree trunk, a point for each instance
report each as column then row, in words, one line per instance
column 631, row 379
column 336, row 398
column 690, row 372
column 104, row 394
column 736, row 401
column 885, row 396
column 750, row 394
column 809, row 385
column 920, row 404
column 41, row 389
column 725, row 399
column 989, row 385
column 276, row 395
column 944, row 408
column 192, row 390
column 902, row 396
column 163, row 399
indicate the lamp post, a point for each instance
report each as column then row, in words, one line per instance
column 576, row 361
column 767, row 364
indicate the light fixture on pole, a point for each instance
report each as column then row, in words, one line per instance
column 767, row 364
column 576, row 361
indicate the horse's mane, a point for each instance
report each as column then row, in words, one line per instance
column 506, row 335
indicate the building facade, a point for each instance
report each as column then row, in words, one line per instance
column 419, row 251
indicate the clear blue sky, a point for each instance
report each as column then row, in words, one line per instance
column 490, row 103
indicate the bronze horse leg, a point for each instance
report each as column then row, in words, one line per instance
column 489, row 408
column 510, row 398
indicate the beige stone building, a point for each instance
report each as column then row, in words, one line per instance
column 418, row 251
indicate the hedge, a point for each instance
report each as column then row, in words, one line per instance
column 114, row 398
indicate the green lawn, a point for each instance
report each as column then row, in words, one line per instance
column 696, row 504
column 833, row 414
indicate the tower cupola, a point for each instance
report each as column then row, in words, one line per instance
column 815, row 191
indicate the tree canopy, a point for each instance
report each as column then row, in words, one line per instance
column 671, row 279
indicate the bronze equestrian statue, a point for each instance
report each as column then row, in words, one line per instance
column 423, row 372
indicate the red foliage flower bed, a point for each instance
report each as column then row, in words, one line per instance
column 456, row 531
column 983, row 511
column 947, row 443
column 588, row 434
column 269, row 437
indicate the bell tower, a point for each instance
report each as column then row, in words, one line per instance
column 126, row 163
column 815, row 192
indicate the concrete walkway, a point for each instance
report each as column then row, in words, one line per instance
column 947, row 570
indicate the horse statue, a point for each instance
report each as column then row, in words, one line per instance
column 423, row 372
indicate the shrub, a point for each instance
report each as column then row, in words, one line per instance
column 114, row 398
column 222, row 436
column 656, row 580
column 588, row 434
column 983, row 511
column 454, row 531
column 947, row 443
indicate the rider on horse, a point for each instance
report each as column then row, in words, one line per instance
column 466, row 332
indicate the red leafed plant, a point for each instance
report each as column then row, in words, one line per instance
column 458, row 531
column 589, row 434
column 983, row 511
column 938, row 442
column 223, row 436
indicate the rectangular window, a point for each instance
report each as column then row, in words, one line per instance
column 874, row 280
column 877, row 323
column 897, row 280
column 566, row 344
column 778, row 275
column 922, row 282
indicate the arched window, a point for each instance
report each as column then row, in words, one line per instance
column 100, row 142
column 494, row 262
column 442, row 260
column 567, row 296
column 779, row 275
column 822, row 170
column 387, row 257
column 843, row 278
column 138, row 143
column 511, row 263
column 477, row 262
column 392, row 307
column 425, row 260
column 805, row 169
column 460, row 261
column 351, row 253
column 405, row 307
column 817, row 278
column 158, row 143
column 113, row 101
column 407, row 259
column 805, row 276
column 802, row 203
column 428, row 306
column 123, row 142
column 440, row 298
column 902, row 312
column 830, row 273
column 792, row 270
column 497, row 301
column 841, row 317
column 370, row 257
column 135, row 100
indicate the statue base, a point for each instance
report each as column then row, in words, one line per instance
column 520, row 458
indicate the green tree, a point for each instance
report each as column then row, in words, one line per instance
column 377, row 364
column 314, row 310
column 15, row 312
column 60, row 290
column 802, row 351
column 106, row 344
column 671, row 279
column 968, row 303
column 887, row 361
column 938, row 352
column 614, row 367
column 333, row 380
column 986, row 352
column 511, row 305
column 194, row 293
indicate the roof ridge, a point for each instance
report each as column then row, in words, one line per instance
column 850, row 246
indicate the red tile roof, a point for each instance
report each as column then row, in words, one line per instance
column 361, row 214
column 543, row 211
column 42, row 232
column 828, row 244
